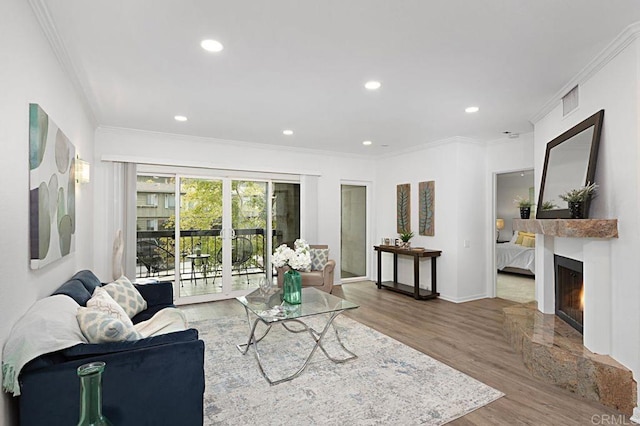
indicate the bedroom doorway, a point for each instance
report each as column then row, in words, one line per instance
column 514, row 253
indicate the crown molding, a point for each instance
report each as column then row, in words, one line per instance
column 624, row 39
column 50, row 31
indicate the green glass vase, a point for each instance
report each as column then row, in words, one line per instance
column 91, row 395
column 292, row 288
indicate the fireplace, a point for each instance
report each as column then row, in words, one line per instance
column 569, row 291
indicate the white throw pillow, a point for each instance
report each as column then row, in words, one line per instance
column 127, row 296
column 102, row 301
column 319, row 258
column 101, row 327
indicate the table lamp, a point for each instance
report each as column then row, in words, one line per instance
column 499, row 226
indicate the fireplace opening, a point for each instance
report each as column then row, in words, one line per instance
column 569, row 291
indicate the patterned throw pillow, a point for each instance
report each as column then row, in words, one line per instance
column 319, row 258
column 127, row 296
column 101, row 301
column 101, row 327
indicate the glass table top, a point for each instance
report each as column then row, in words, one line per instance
column 270, row 307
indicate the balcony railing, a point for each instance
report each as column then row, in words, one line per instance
column 155, row 252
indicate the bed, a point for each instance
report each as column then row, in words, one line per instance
column 518, row 255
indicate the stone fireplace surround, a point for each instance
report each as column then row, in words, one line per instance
column 546, row 348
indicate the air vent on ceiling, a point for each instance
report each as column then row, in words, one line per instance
column 570, row 101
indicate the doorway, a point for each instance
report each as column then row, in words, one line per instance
column 353, row 232
column 515, row 263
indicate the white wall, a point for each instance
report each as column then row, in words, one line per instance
column 457, row 167
column 614, row 88
column 214, row 153
column 502, row 156
column 472, row 222
column 30, row 73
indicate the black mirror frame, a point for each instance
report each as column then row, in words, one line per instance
column 596, row 121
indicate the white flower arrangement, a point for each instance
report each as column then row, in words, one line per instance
column 298, row 259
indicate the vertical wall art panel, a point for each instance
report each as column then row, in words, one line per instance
column 52, row 190
column 426, row 195
column 403, row 208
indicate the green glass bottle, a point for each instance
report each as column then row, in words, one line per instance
column 91, row 395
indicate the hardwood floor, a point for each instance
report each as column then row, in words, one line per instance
column 468, row 337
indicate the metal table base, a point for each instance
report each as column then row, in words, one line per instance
column 317, row 337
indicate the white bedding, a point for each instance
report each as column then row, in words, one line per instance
column 515, row 256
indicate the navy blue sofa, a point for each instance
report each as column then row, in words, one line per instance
column 154, row 381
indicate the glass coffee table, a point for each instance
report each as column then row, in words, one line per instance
column 269, row 309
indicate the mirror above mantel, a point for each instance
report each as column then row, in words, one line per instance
column 569, row 163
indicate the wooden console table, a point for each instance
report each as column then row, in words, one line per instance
column 415, row 291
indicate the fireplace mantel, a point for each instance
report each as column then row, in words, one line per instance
column 569, row 228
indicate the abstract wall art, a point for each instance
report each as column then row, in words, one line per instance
column 426, row 195
column 403, row 208
column 52, row 213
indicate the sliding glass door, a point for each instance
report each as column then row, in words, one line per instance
column 200, row 239
column 249, row 259
column 225, row 227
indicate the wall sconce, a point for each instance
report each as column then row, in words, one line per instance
column 499, row 226
column 83, row 171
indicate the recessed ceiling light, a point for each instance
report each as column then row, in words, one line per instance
column 211, row 45
column 366, row 143
column 287, row 132
column 472, row 109
column 180, row 118
column 372, row 85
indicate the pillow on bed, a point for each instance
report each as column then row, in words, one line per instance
column 514, row 238
column 528, row 242
column 521, row 236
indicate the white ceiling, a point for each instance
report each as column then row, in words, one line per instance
column 301, row 65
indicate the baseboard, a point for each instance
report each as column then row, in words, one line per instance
column 462, row 299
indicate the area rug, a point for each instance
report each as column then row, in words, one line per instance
column 389, row 382
column 517, row 288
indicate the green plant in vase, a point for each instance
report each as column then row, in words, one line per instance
column 577, row 199
column 548, row 205
column 405, row 237
column 525, row 206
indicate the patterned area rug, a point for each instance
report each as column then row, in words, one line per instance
column 389, row 382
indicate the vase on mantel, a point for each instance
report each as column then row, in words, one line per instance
column 576, row 209
column 525, row 212
column 292, row 287
column 91, row 395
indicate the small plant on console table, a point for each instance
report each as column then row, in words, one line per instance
column 548, row 205
column 577, row 199
column 525, row 206
column 405, row 237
